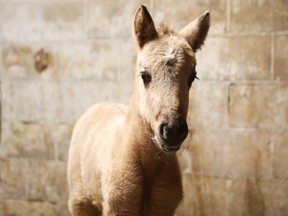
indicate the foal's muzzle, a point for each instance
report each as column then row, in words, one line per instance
column 173, row 134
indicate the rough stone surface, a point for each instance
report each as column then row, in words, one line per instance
column 47, row 101
column 204, row 195
column 249, row 155
column 221, row 196
column 250, row 197
column 179, row 13
column 21, row 207
column 27, row 141
column 280, row 15
column 47, row 181
column 33, row 179
column 57, row 58
column 38, row 21
column 280, row 159
column 61, row 135
column 13, row 178
column 229, row 153
column 279, row 197
column 281, row 56
column 1, row 207
column 205, row 97
column 263, row 106
column 235, row 58
column 111, row 19
column 243, row 19
column 71, row 61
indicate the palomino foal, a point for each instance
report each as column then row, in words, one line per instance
column 122, row 160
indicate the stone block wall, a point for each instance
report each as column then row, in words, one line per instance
column 59, row 57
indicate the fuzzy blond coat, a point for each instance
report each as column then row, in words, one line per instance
column 119, row 163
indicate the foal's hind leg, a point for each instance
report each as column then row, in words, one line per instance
column 83, row 208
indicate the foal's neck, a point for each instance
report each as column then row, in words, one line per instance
column 145, row 151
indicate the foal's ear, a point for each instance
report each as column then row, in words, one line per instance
column 144, row 26
column 196, row 31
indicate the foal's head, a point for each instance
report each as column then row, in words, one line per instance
column 165, row 73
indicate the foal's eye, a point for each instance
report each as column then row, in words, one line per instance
column 146, row 77
column 192, row 78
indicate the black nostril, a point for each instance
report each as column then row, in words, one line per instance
column 183, row 130
column 164, row 130
column 177, row 133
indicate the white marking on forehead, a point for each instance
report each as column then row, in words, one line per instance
column 171, row 56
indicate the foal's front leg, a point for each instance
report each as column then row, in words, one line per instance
column 164, row 205
column 121, row 203
column 123, row 196
column 166, row 192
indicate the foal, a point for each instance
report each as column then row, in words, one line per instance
column 122, row 160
